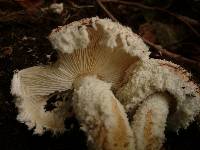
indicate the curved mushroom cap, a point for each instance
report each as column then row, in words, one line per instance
column 152, row 76
column 87, row 47
column 95, row 32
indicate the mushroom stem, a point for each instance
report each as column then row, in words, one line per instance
column 101, row 115
column 150, row 121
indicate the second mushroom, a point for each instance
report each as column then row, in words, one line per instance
column 122, row 99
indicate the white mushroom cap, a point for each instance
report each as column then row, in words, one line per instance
column 32, row 87
column 95, row 32
column 87, row 47
column 152, row 76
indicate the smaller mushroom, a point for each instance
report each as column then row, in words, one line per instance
column 154, row 89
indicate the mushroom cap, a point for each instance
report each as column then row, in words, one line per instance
column 153, row 76
column 33, row 87
column 90, row 32
column 90, row 46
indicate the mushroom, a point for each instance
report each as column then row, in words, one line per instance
column 152, row 83
column 105, row 73
column 87, row 47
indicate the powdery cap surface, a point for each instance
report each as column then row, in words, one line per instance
column 102, row 32
column 152, row 76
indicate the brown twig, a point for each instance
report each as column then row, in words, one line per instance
column 163, row 52
column 178, row 17
column 178, row 58
column 78, row 6
column 10, row 16
column 106, row 10
column 190, row 20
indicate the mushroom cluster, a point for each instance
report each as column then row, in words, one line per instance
column 122, row 98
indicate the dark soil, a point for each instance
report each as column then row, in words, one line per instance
column 24, row 43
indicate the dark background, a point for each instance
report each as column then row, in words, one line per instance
column 173, row 24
